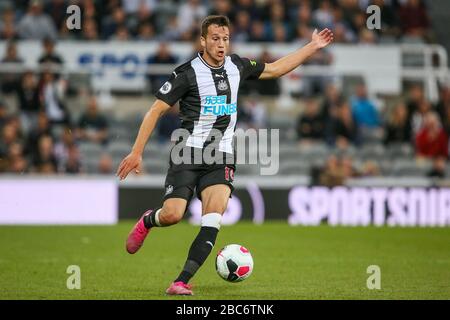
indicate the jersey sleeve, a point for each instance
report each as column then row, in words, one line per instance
column 173, row 89
column 250, row 69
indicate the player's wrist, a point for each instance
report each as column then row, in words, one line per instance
column 136, row 152
column 314, row 45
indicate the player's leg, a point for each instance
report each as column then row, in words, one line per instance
column 214, row 203
column 215, row 189
column 171, row 213
column 179, row 190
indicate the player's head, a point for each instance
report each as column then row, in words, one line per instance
column 215, row 37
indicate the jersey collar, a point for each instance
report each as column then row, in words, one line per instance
column 207, row 64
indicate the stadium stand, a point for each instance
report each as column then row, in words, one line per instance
column 360, row 136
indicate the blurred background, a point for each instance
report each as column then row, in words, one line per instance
column 372, row 110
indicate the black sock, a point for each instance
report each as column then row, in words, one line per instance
column 198, row 253
column 149, row 220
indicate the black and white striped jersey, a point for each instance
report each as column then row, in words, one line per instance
column 208, row 97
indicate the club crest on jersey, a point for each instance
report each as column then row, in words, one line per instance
column 222, row 85
column 169, row 189
column 166, row 87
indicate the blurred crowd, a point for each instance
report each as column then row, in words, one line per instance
column 355, row 121
column 44, row 137
column 176, row 20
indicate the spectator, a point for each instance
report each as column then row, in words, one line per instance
column 363, row 109
column 333, row 98
column 276, row 26
column 336, row 171
column 49, row 56
column 365, row 114
column 105, row 164
column 446, row 120
column 443, row 104
column 162, row 56
column 258, row 34
column 370, row 169
column 223, row 7
column 89, row 30
column 28, row 99
column 121, row 34
column 302, row 34
column 146, row 32
column 418, row 117
column 51, row 96
column 144, row 15
column 367, row 37
column 389, row 19
column 342, row 129
column 42, row 129
column 16, row 161
column 112, row 23
column 279, row 32
column 414, row 19
column 310, row 124
column 171, row 31
column 36, row 25
column 56, row 10
column 266, row 87
column 10, row 81
column 241, row 32
column 132, row 7
column 323, row 16
column 438, row 169
column 255, row 112
column 431, row 140
column 44, row 160
column 342, row 34
column 62, row 147
column 3, row 115
column 9, row 135
column 415, row 98
column 8, row 30
column 190, row 14
column 249, row 7
column 398, row 128
column 73, row 164
column 93, row 126
column 304, row 15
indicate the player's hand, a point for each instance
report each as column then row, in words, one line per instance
column 131, row 162
column 323, row 38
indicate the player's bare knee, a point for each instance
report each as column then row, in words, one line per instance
column 170, row 215
column 214, row 206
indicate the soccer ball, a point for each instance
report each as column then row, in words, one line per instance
column 234, row 263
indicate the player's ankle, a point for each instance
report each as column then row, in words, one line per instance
column 152, row 220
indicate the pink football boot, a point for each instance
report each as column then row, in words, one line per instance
column 180, row 289
column 137, row 235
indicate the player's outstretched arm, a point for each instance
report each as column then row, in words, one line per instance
column 288, row 63
column 133, row 161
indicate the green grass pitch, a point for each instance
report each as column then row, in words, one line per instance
column 290, row 262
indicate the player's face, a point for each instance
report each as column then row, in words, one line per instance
column 216, row 43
